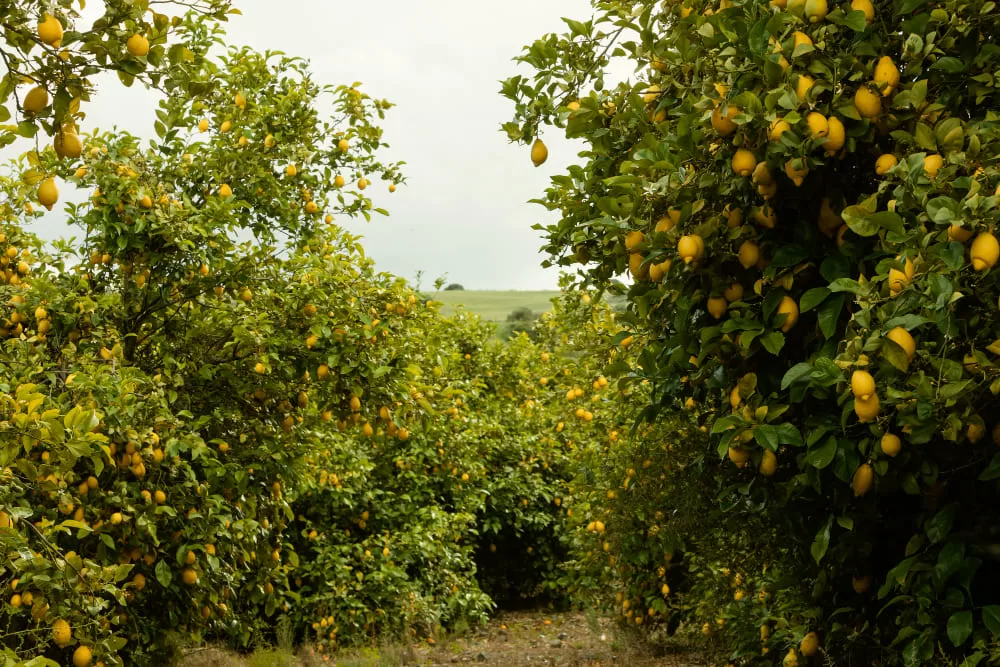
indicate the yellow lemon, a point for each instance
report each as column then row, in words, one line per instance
column 539, row 153
column 36, row 100
column 225, row 191
column 722, row 119
column 738, row 456
column 67, row 143
column 137, row 45
column 778, row 127
column 898, row 280
column 744, row 162
column 818, row 125
column 803, row 86
column 82, row 656
column 836, row 136
column 50, row 30
column 862, row 385
column 62, row 634
column 932, row 165
column 902, row 337
column 890, row 444
column 884, row 163
column 864, row 477
column 809, row 646
column 984, row 252
column 717, row 306
column 768, row 463
column 734, row 292
column 886, row 72
column 864, row 6
column 815, row 10
column 796, row 173
column 866, row 410
column 749, row 254
column 959, row 233
column 790, row 310
column 633, row 240
column 867, row 103
column 48, row 193
column 203, row 125
column 799, row 38
column 690, row 248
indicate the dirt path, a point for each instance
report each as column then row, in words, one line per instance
column 514, row 639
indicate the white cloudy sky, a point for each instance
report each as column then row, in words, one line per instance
column 464, row 211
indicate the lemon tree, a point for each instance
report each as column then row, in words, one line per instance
column 804, row 197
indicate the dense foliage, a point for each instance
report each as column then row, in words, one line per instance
column 805, row 195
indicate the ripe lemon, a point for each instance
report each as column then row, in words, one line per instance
column 898, row 280
column 815, row 10
column 291, row 170
column 734, row 216
column 36, row 100
column 765, row 217
column 790, row 309
column 864, row 6
column 637, row 266
column 836, row 136
column 343, row 145
column 809, row 646
column 539, row 153
column 796, row 174
column 658, row 271
column 690, row 248
column 818, row 125
column 886, row 73
column 932, row 165
column 48, row 193
column 717, row 306
column 890, row 444
column 791, row 659
column 866, row 410
column 975, row 432
column 902, row 337
column 778, row 127
column 867, row 103
column 137, row 45
column 668, row 221
column 762, row 175
column 189, row 576
column 311, row 207
column 861, row 584
column 959, row 233
column 749, row 254
column 50, row 30
column 884, row 163
column 739, row 456
column 768, row 463
column 633, row 240
column 62, row 634
column 800, row 38
column 82, row 656
column 864, row 477
column 67, row 143
column 362, row 183
column 734, row 292
column 984, row 252
column 239, row 100
column 203, row 125
column 862, row 385
column 722, row 119
column 744, row 162
column 803, row 86
column 226, row 126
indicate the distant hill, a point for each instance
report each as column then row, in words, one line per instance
column 493, row 305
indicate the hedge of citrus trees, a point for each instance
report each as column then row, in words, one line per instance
column 805, row 196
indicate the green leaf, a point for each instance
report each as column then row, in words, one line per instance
column 992, row 471
column 773, row 342
column 938, row 527
column 991, row 618
column 813, row 298
column 822, row 456
column 944, row 210
column 949, row 64
column 960, row 627
column 163, row 574
column 766, row 436
column 796, row 373
column 822, row 541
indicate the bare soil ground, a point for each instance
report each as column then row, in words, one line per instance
column 533, row 638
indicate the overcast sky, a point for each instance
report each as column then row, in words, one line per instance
column 464, row 211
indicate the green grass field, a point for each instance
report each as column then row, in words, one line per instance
column 493, row 305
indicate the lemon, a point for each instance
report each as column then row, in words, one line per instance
column 778, row 127
column 790, row 310
column 902, row 337
column 226, row 126
column 637, row 266
column 765, row 217
column 690, row 248
column 633, row 240
column 50, row 30
column 791, row 659
column 796, row 174
column 67, row 143
column 738, row 456
column 343, row 145
column 975, row 432
column 658, row 271
column 749, row 254
column 984, row 252
column 722, row 120
column 836, row 136
column 803, row 86
column 734, row 292
column 866, row 410
column 768, row 463
column 48, row 193
column 539, row 153
column 291, row 170
column 744, row 162
column 734, row 216
column 815, row 10
column 239, row 100
column 203, row 125
column 864, row 477
column 717, row 306
column 863, row 385
column 137, row 45
column 819, row 127
column 898, row 280
column 886, row 73
column 189, row 576
column 809, row 646
column 884, row 163
column 36, row 100
column 861, row 584
column 959, row 233
column 864, row 6
column 799, row 38
column 932, row 165
column 668, row 221
column 762, row 175
column 867, row 103
column 890, row 444
column 62, row 634
column 82, row 656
